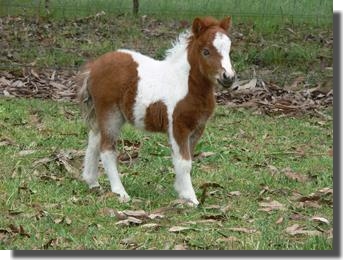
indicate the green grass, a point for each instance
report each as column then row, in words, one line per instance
column 39, row 197
column 266, row 13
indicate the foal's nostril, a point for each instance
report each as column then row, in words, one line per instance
column 225, row 76
column 226, row 80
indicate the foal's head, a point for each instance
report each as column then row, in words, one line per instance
column 210, row 49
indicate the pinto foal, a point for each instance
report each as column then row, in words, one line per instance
column 174, row 96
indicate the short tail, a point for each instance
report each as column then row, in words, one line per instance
column 85, row 98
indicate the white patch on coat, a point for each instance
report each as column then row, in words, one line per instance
column 223, row 44
column 165, row 81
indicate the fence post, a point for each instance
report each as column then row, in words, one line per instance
column 135, row 7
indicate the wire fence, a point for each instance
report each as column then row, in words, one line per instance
column 296, row 10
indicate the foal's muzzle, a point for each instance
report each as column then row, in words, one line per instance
column 226, row 80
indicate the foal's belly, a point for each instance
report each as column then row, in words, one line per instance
column 153, row 118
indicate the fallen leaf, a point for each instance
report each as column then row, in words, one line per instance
column 294, row 86
column 264, row 190
column 320, row 220
column 311, row 197
column 112, row 213
column 228, row 239
column 24, row 187
column 329, row 233
column 204, row 188
column 126, row 157
column 326, row 191
column 216, row 217
column 279, row 221
column 14, row 212
column 330, row 152
column 209, row 221
column 129, row 243
column 270, row 206
column 51, row 243
column 19, row 230
column 308, row 204
column 177, row 229
column 180, row 247
column 297, row 230
column 156, row 216
column 273, row 170
column 129, row 221
column 208, row 168
column 58, row 220
column 43, row 161
column 136, row 213
column 67, row 220
column 234, row 193
column 26, row 152
column 226, row 208
column 63, row 158
column 152, row 226
column 212, row 207
column 289, row 173
column 244, row 230
column 244, row 85
column 7, row 141
column 203, row 155
column 296, row 216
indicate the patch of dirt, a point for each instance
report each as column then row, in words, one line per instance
column 45, row 84
column 269, row 98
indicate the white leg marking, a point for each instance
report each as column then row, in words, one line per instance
column 183, row 183
column 108, row 159
column 90, row 172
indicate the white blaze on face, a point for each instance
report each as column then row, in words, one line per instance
column 223, row 44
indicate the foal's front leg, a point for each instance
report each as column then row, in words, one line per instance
column 182, row 161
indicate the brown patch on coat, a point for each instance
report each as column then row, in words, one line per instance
column 156, row 117
column 112, row 85
column 192, row 112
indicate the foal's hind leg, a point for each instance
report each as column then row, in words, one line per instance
column 90, row 172
column 110, row 130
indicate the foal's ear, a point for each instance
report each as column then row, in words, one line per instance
column 198, row 26
column 226, row 23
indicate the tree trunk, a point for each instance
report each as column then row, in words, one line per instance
column 135, row 7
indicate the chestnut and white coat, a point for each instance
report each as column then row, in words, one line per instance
column 175, row 96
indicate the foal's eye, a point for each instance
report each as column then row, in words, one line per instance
column 205, row 52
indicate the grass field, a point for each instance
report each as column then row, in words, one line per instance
column 265, row 182
column 264, row 175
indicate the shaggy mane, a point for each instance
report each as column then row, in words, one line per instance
column 179, row 47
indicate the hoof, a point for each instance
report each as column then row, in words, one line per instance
column 94, row 185
column 124, row 198
column 188, row 202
